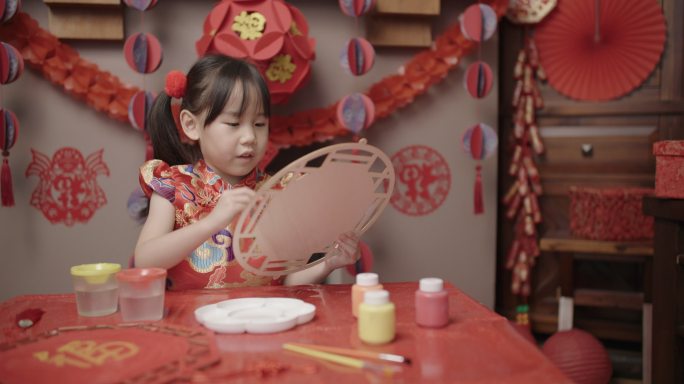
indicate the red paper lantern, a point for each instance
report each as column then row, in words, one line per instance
column 143, row 52
column 478, row 79
column 356, row 112
column 580, row 356
column 11, row 63
column 358, row 57
column 9, row 130
column 356, row 8
column 478, row 22
column 9, row 8
column 139, row 109
column 271, row 33
column 141, row 5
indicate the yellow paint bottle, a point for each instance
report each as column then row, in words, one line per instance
column 376, row 318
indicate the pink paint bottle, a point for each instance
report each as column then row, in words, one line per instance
column 432, row 303
column 364, row 282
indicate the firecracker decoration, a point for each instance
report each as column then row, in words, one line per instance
column 522, row 198
column 104, row 92
column 272, row 33
column 529, row 11
column 480, row 142
column 478, row 23
column 423, row 180
column 67, row 191
column 11, row 68
column 601, row 50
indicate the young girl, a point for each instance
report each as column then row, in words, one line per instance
column 204, row 174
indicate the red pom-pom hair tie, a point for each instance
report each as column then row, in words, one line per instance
column 176, row 82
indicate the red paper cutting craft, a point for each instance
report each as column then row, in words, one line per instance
column 601, row 57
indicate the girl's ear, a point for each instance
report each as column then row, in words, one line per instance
column 190, row 124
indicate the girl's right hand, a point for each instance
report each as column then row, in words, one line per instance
column 230, row 204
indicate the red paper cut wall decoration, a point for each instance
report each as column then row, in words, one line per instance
column 601, row 50
column 423, row 180
column 68, row 191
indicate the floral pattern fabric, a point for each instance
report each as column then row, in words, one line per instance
column 194, row 189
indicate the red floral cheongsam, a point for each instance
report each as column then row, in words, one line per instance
column 194, row 190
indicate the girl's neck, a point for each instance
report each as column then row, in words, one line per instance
column 230, row 179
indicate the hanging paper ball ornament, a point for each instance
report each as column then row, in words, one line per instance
column 356, row 112
column 271, row 33
column 358, row 57
column 478, row 22
column 139, row 109
column 478, row 79
column 141, row 5
column 9, row 130
column 138, row 206
column 9, row 8
column 580, row 356
column 356, row 8
column 143, row 52
column 480, row 141
column 11, row 63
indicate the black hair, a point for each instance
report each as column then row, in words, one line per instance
column 210, row 83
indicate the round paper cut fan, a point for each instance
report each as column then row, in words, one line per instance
column 596, row 56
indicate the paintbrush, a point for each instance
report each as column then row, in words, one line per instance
column 387, row 370
column 356, row 353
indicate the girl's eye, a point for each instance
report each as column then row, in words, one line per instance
column 233, row 124
column 260, row 125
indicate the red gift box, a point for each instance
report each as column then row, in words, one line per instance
column 609, row 213
column 669, row 181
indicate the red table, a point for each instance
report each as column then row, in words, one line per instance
column 478, row 346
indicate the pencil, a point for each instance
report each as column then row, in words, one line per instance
column 356, row 353
column 343, row 360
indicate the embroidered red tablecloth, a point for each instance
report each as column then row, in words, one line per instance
column 478, row 346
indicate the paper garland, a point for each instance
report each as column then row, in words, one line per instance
column 62, row 65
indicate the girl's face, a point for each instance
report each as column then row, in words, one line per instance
column 233, row 144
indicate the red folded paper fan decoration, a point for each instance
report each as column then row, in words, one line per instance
column 590, row 55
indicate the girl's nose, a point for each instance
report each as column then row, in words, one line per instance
column 248, row 135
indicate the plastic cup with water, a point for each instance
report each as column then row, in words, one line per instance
column 141, row 293
column 96, row 288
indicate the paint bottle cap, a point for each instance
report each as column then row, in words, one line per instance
column 378, row 297
column 367, row 279
column 431, row 284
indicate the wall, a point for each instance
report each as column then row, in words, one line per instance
column 450, row 242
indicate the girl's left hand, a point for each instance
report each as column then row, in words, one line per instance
column 345, row 252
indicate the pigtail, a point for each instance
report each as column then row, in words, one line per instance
column 166, row 143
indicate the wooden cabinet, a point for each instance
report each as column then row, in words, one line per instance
column 668, row 289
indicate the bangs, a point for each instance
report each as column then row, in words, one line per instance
column 243, row 81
